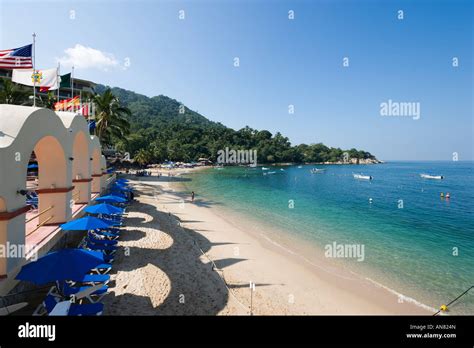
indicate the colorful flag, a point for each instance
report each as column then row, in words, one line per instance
column 43, row 78
column 67, row 104
column 65, row 81
column 16, row 58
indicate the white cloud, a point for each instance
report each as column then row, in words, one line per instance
column 83, row 57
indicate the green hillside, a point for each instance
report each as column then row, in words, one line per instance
column 164, row 129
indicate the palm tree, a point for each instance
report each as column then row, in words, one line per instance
column 143, row 157
column 110, row 117
column 49, row 101
column 11, row 93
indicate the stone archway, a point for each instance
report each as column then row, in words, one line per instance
column 53, row 185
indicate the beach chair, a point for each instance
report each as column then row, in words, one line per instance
column 67, row 291
column 101, row 241
column 107, row 254
column 91, row 279
column 112, row 230
column 107, row 235
column 106, row 249
column 87, row 309
column 102, row 269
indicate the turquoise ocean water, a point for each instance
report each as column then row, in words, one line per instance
column 416, row 243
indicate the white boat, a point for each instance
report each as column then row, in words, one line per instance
column 300, row 167
column 281, row 169
column 428, row 176
column 362, row 177
column 265, row 168
column 253, row 165
column 317, row 170
column 269, row 173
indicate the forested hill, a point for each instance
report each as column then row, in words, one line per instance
column 164, row 129
column 148, row 112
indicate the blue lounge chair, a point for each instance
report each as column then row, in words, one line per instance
column 95, row 240
column 88, row 309
column 91, row 279
column 67, row 291
column 102, row 269
column 108, row 235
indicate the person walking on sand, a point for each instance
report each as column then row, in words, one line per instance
column 192, row 196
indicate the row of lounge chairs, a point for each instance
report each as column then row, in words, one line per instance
column 85, row 293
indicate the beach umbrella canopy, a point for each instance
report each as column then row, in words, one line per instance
column 61, row 265
column 111, row 199
column 121, row 188
column 103, row 208
column 120, row 183
column 122, row 180
column 85, row 224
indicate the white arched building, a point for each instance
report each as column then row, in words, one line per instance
column 71, row 168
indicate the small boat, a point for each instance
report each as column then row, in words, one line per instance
column 362, row 177
column 428, row 176
column 265, row 168
column 317, row 170
column 281, row 169
column 300, row 167
column 253, row 165
column 269, row 173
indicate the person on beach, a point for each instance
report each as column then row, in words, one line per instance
column 192, row 196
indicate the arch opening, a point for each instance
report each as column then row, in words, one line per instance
column 81, row 176
column 47, row 186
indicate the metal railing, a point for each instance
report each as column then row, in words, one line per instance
column 39, row 214
column 40, row 225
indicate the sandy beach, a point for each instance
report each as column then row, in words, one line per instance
column 183, row 258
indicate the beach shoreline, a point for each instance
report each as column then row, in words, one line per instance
column 287, row 283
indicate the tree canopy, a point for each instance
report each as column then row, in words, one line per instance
column 162, row 129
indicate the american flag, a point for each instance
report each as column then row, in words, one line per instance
column 16, row 58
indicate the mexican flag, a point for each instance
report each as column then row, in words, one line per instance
column 65, row 81
column 44, row 78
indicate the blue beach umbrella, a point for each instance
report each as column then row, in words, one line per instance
column 121, row 188
column 61, row 265
column 85, row 224
column 122, row 180
column 120, row 185
column 111, row 199
column 103, row 208
column 32, row 166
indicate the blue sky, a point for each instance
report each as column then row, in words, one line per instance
column 282, row 62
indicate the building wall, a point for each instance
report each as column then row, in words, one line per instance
column 63, row 148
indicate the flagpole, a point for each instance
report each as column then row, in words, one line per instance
column 59, row 77
column 72, row 82
column 34, row 69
